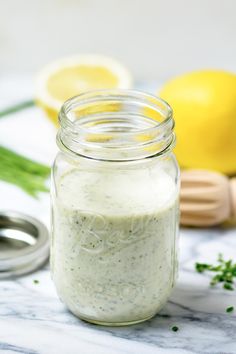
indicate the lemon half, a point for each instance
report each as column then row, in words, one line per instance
column 72, row 76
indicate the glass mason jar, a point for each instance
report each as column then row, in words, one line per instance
column 115, row 188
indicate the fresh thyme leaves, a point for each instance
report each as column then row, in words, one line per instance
column 230, row 309
column 228, row 286
column 175, row 328
column 225, row 272
column 23, row 172
column 36, row 281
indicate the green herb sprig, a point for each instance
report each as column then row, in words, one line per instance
column 225, row 272
column 16, row 108
column 25, row 173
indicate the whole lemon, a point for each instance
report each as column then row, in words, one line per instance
column 204, row 105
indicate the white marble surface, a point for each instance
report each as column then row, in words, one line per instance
column 33, row 320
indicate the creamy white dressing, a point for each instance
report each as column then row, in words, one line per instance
column 114, row 243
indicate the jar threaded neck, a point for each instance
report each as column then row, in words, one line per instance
column 116, row 125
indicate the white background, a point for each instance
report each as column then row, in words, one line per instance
column 155, row 39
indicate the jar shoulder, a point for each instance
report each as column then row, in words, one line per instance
column 64, row 163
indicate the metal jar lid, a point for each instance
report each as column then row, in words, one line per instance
column 24, row 244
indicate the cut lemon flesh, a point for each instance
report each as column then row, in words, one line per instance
column 69, row 77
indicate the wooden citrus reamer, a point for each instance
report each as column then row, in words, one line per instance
column 206, row 198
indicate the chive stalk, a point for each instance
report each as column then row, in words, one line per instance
column 16, row 108
column 23, row 172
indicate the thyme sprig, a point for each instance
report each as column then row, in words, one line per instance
column 225, row 272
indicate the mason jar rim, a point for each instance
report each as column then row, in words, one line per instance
column 92, row 96
column 142, row 135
